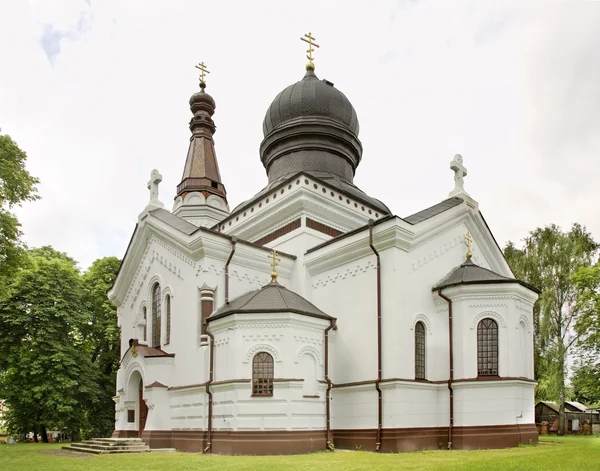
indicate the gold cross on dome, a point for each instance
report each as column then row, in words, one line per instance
column 308, row 38
column 203, row 71
column 275, row 261
column 469, row 241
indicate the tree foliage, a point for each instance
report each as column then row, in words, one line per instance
column 549, row 259
column 16, row 187
column 59, row 343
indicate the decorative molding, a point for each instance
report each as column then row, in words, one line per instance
column 155, row 279
column 262, row 347
column 488, row 306
column 424, row 319
column 344, row 274
column 222, row 342
column 309, row 350
column 159, row 361
column 524, row 319
column 167, row 290
column 488, row 314
column 436, row 253
column 133, row 366
column 262, row 337
column 305, row 340
column 268, row 326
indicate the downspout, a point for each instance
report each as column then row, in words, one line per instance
column 329, row 385
column 233, row 242
column 211, row 363
column 378, row 380
column 451, row 376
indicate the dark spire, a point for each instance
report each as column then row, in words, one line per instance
column 201, row 171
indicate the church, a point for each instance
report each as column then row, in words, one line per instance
column 310, row 316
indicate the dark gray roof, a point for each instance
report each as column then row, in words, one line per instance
column 270, row 298
column 469, row 274
column 310, row 97
column 433, row 210
column 174, row 221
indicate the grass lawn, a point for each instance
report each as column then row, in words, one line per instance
column 553, row 453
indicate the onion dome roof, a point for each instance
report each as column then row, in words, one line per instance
column 311, row 97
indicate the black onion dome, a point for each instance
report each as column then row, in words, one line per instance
column 311, row 127
column 307, row 98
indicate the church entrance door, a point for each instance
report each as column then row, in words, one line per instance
column 143, row 409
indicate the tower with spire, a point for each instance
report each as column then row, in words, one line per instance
column 201, row 197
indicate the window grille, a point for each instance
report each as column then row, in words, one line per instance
column 262, row 374
column 487, row 348
column 168, row 306
column 145, row 324
column 156, row 316
column 419, row 351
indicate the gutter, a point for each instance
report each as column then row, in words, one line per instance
column 378, row 380
column 211, row 363
column 233, row 242
column 451, row 375
column 329, row 386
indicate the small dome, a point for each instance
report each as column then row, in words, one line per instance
column 311, row 97
column 202, row 101
column 271, row 298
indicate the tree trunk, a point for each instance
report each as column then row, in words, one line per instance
column 43, row 433
column 35, row 439
column 561, row 394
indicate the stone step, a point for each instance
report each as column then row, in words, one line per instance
column 83, row 449
column 110, row 439
column 94, row 446
column 111, row 444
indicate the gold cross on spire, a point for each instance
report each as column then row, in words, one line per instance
column 203, row 72
column 468, row 241
column 308, row 38
column 275, row 261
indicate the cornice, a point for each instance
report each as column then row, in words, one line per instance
column 188, row 249
column 388, row 234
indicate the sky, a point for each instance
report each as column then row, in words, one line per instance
column 96, row 92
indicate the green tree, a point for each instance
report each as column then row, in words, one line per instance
column 16, row 187
column 548, row 260
column 45, row 369
column 101, row 337
column 586, row 383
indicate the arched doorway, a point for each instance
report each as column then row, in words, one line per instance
column 138, row 409
column 142, row 409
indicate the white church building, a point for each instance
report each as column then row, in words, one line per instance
column 310, row 316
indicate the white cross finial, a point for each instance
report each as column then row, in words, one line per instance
column 460, row 171
column 155, row 179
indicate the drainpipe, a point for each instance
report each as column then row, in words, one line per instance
column 451, row 376
column 211, row 363
column 378, row 380
column 329, row 385
column 233, row 242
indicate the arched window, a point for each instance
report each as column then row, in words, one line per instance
column 262, row 374
column 487, row 348
column 145, row 323
column 156, row 316
column 168, row 307
column 419, row 351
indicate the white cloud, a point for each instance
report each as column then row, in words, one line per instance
column 510, row 87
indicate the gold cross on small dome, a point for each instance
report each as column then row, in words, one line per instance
column 275, row 261
column 308, row 38
column 203, row 72
column 468, row 242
